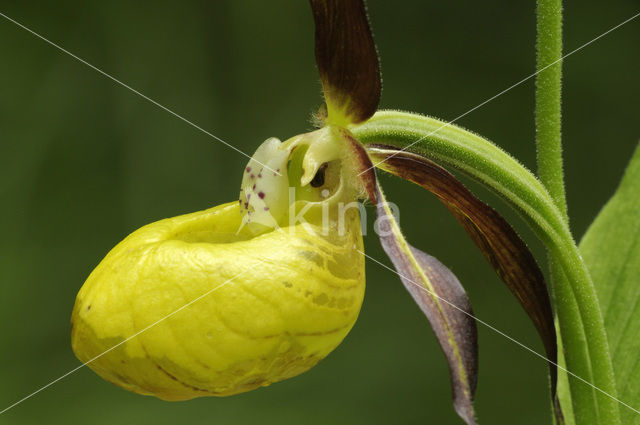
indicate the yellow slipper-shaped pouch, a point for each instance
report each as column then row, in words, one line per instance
column 238, row 296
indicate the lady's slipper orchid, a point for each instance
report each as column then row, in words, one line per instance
column 286, row 262
column 259, row 290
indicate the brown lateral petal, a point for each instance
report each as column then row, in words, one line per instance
column 443, row 300
column 364, row 167
column 498, row 241
column 347, row 60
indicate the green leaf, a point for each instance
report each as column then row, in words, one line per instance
column 443, row 300
column 611, row 250
column 347, row 60
column 497, row 240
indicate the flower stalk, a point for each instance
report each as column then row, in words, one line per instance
column 455, row 147
column 548, row 100
column 588, row 405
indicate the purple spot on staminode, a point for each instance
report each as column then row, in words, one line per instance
column 248, row 169
column 259, row 175
column 266, row 208
column 261, row 195
column 253, row 176
column 254, row 187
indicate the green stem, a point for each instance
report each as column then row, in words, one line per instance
column 549, row 147
column 548, row 100
column 576, row 355
column 548, row 114
column 455, row 147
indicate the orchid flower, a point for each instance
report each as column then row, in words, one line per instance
column 258, row 290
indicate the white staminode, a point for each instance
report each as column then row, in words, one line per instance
column 313, row 164
column 264, row 190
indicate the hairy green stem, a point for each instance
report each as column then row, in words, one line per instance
column 548, row 114
column 575, row 351
column 548, row 100
column 458, row 148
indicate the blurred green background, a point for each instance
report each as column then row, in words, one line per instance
column 84, row 162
